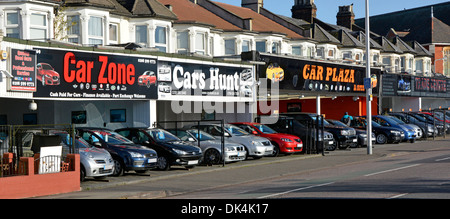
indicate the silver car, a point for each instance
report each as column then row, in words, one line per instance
column 94, row 162
column 211, row 146
column 255, row 146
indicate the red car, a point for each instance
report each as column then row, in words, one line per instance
column 439, row 117
column 147, row 79
column 284, row 143
column 46, row 74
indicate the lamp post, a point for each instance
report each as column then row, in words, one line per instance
column 369, row 88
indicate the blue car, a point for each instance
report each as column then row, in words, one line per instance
column 410, row 133
column 127, row 156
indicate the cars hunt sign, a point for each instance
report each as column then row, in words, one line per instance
column 316, row 76
column 92, row 75
column 23, row 70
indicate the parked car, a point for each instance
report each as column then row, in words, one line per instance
column 147, row 79
column 343, row 136
column 212, row 147
column 416, row 128
column 439, row 116
column 283, row 143
column 286, row 124
column 47, row 74
column 410, row 133
column 384, row 134
column 361, row 133
column 94, row 162
column 171, row 150
column 127, row 156
column 256, row 147
column 442, row 128
column 428, row 129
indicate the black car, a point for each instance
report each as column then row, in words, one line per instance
column 289, row 125
column 171, row 150
column 127, row 156
column 343, row 136
column 361, row 133
column 383, row 134
column 442, row 128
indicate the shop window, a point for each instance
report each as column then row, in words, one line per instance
column 261, row 46
column 30, row 119
column 117, row 115
column 141, row 34
column 95, row 31
column 12, row 24
column 73, row 28
column 200, row 44
column 161, row 39
column 78, row 117
column 183, row 42
column 230, row 47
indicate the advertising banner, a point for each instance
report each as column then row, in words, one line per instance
column 316, row 76
column 92, row 75
column 178, row 78
column 23, row 70
column 414, row 86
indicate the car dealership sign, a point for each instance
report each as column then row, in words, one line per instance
column 316, row 76
column 23, row 70
column 93, row 75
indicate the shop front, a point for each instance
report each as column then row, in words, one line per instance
column 323, row 87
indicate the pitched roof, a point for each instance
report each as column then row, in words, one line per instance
column 440, row 32
column 189, row 12
column 417, row 21
column 147, row 8
column 347, row 40
column 322, row 36
column 402, row 45
column 260, row 23
column 387, row 45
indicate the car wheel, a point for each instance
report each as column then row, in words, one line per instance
column 82, row 174
column 212, row 157
column 381, row 139
column 276, row 150
column 163, row 163
column 118, row 168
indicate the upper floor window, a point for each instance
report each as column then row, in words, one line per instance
column 261, row 46
column 230, row 47
column 200, row 44
column 95, row 31
column 276, row 47
column 12, row 24
column 297, row 50
column 161, row 39
column 320, row 52
column 113, row 33
column 246, row 46
column 183, row 42
column 141, row 34
column 73, row 28
column 38, row 27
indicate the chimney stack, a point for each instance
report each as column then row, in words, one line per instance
column 255, row 5
column 305, row 10
column 345, row 16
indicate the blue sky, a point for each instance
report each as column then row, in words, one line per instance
column 327, row 9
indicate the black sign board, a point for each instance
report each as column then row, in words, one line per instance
column 23, row 70
column 316, row 76
column 90, row 75
column 413, row 86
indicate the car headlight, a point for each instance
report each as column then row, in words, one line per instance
column 230, row 149
column 258, row 143
column 181, row 152
column 286, row 140
column 135, row 154
column 395, row 132
column 363, row 135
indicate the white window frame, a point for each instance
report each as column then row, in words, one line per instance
column 70, row 34
column 39, row 27
column 182, row 50
column 116, row 35
column 162, row 46
column 228, row 51
column 200, row 46
column 265, row 45
column 13, row 26
column 102, row 31
column 145, row 42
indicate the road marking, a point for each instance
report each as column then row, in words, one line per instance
column 386, row 171
column 398, row 196
column 295, row 190
column 442, row 159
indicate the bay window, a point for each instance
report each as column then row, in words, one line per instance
column 141, row 34
column 12, row 24
column 183, row 42
column 161, row 39
column 95, row 31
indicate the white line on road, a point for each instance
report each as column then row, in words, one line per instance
column 442, row 159
column 386, row 171
column 295, row 190
column 398, row 196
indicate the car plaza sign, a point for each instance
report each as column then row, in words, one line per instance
column 92, row 75
column 316, row 76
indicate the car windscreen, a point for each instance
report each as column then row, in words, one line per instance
column 234, row 130
column 111, row 137
column 160, row 135
column 397, row 120
column 265, row 129
column 203, row 136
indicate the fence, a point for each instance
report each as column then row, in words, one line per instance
column 17, row 141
